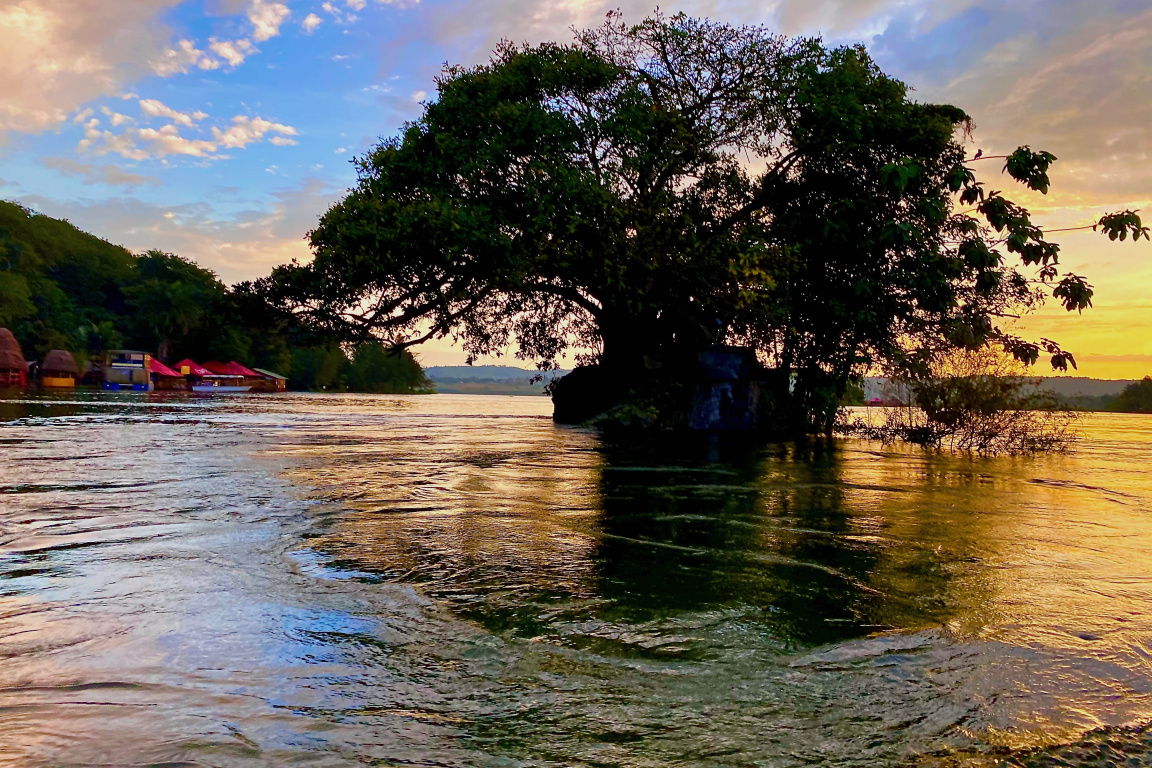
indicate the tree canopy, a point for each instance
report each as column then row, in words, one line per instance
column 1136, row 398
column 646, row 192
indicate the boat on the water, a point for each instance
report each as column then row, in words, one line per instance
column 219, row 388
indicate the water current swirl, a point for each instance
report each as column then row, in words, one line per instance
column 456, row 581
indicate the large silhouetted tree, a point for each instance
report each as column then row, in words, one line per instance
column 650, row 191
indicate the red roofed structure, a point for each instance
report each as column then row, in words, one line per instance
column 222, row 377
column 157, row 367
column 191, row 368
column 244, row 370
column 228, row 369
column 165, row 377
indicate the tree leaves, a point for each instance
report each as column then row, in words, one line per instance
column 1074, row 293
column 1030, row 168
column 1121, row 224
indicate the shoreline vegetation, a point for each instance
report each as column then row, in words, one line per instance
column 64, row 289
column 1077, row 393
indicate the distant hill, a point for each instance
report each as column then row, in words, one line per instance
column 507, row 379
column 1071, row 391
column 1078, row 386
column 1064, row 386
column 489, row 379
column 501, row 373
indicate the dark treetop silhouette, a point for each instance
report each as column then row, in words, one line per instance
column 649, row 192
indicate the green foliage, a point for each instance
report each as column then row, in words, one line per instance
column 853, row 395
column 1136, row 398
column 15, row 298
column 1119, row 225
column 317, row 368
column 63, row 288
column 1030, row 168
column 71, row 279
column 374, row 368
column 168, row 299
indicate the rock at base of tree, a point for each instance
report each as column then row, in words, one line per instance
column 587, row 392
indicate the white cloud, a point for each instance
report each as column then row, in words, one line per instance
column 247, row 130
column 340, row 16
column 1084, row 96
column 418, row 96
column 98, row 174
column 102, row 142
column 167, row 140
column 311, row 21
column 60, row 54
column 266, row 18
column 181, row 58
column 232, row 51
column 114, row 117
column 155, row 108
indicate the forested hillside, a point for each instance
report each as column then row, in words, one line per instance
column 62, row 288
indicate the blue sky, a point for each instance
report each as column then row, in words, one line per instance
column 221, row 129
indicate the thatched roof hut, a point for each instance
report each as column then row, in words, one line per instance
column 11, row 358
column 60, row 361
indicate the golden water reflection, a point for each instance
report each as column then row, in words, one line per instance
column 456, row 580
column 560, row 537
column 826, row 544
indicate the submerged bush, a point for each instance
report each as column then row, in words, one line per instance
column 977, row 402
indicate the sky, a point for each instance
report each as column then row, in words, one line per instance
column 221, row 130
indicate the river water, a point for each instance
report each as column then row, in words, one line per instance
column 455, row 581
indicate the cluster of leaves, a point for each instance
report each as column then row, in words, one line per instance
column 62, row 288
column 649, row 191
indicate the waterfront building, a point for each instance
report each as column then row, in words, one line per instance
column 59, row 370
column 127, row 369
column 165, row 378
column 223, row 377
column 13, row 367
column 270, row 382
